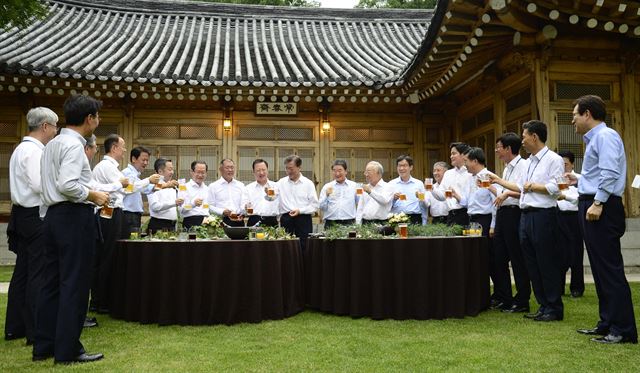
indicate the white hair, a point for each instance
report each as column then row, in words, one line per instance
column 39, row 115
column 378, row 167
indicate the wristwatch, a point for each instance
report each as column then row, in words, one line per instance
column 597, row 203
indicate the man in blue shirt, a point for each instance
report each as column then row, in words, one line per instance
column 602, row 220
column 406, row 192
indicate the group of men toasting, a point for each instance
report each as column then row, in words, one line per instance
column 66, row 218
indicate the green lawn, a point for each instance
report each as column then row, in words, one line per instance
column 5, row 273
column 313, row 341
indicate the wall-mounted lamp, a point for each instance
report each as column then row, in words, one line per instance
column 226, row 121
column 325, row 124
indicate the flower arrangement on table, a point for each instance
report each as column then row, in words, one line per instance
column 395, row 219
column 211, row 228
column 274, row 233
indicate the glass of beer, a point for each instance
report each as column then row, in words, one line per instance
column 129, row 189
column 420, row 195
column 271, row 192
column 249, row 208
column 402, row 197
column 192, row 234
column 428, row 184
column 259, row 235
column 359, row 190
column 484, row 181
column 563, row 183
column 106, row 212
column 448, row 193
column 329, row 191
column 404, row 230
column 205, row 205
column 182, row 185
column 187, row 206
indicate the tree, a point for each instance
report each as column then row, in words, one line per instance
column 403, row 4
column 20, row 13
column 303, row 3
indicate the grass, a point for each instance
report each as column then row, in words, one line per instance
column 5, row 273
column 312, row 341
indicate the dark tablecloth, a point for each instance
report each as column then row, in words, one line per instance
column 207, row 282
column 415, row 278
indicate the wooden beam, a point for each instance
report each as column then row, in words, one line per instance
column 513, row 17
column 618, row 11
column 597, row 6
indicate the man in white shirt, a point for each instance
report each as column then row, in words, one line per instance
column 163, row 202
column 375, row 205
column 539, row 223
column 506, row 238
column 455, row 186
column 338, row 197
column 195, row 206
column 25, row 227
column 481, row 210
column 227, row 196
column 107, row 172
column 298, row 200
column 570, row 234
column 70, row 228
column 132, row 203
column 438, row 210
column 406, row 188
column 265, row 206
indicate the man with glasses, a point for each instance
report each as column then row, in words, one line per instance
column 193, row 209
column 227, row 196
column 25, row 227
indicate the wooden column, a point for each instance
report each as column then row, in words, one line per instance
column 499, row 114
column 542, row 94
column 630, row 134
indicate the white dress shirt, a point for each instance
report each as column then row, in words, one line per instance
column 341, row 204
column 481, row 200
column 133, row 201
column 436, row 208
column 512, row 173
column 542, row 168
column 297, row 195
column 455, row 178
column 258, row 198
column 225, row 195
column 193, row 192
column 162, row 204
column 412, row 205
column 64, row 169
column 106, row 172
column 375, row 205
column 570, row 201
column 24, row 173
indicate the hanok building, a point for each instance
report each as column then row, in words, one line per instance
column 194, row 80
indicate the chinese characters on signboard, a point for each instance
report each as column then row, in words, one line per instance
column 276, row 108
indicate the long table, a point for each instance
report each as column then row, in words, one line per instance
column 415, row 278
column 207, row 282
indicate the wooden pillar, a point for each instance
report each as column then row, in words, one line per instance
column 499, row 114
column 542, row 94
column 630, row 134
column 418, row 144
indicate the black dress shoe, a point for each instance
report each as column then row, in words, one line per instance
column 613, row 339
column 91, row 319
column 594, row 331
column 515, row 309
column 11, row 336
column 82, row 358
column 41, row 357
column 548, row 317
column 533, row 315
column 90, row 322
column 576, row 294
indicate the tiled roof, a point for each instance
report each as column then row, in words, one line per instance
column 184, row 42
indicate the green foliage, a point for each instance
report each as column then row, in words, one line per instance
column 365, row 231
column 400, row 4
column 303, row 3
column 434, row 230
column 5, row 273
column 276, row 233
column 20, row 13
column 372, row 231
